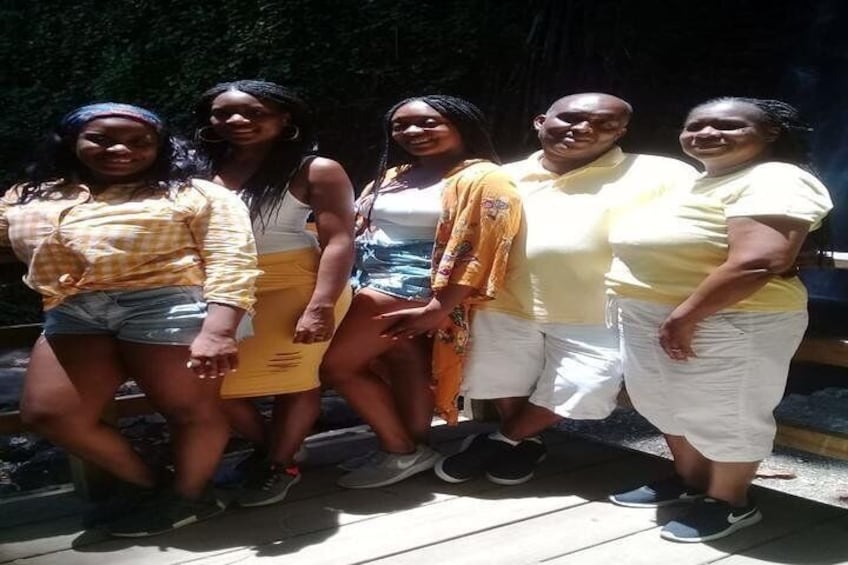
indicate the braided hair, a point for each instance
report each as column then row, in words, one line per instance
column 462, row 114
column 792, row 146
column 265, row 189
column 174, row 166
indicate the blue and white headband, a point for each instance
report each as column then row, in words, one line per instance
column 76, row 119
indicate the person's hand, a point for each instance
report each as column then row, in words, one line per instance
column 676, row 335
column 213, row 354
column 412, row 322
column 316, row 324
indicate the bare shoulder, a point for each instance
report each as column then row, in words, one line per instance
column 323, row 170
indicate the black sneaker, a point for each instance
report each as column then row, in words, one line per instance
column 166, row 512
column 657, row 494
column 125, row 499
column 710, row 519
column 475, row 455
column 519, row 464
column 267, row 486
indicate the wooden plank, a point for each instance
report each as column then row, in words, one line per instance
column 824, row 351
column 782, row 515
column 827, row 443
column 540, row 537
column 316, row 510
column 824, row 543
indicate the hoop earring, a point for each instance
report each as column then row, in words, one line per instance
column 199, row 135
column 294, row 133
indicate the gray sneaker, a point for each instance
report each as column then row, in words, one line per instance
column 267, row 486
column 390, row 468
column 361, row 460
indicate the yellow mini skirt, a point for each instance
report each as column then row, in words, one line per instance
column 269, row 362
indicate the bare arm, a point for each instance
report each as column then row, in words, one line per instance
column 759, row 248
column 331, row 199
column 412, row 322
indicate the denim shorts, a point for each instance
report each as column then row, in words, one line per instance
column 171, row 315
column 402, row 270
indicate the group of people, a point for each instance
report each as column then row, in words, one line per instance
column 539, row 285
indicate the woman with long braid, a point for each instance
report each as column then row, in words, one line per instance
column 435, row 235
column 260, row 140
column 711, row 311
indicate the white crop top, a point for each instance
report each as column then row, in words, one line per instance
column 285, row 230
column 406, row 215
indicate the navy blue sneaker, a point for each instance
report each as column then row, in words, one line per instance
column 657, row 494
column 710, row 519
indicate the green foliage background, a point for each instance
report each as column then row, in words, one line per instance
column 351, row 59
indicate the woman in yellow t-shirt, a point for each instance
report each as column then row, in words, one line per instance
column 710, row 309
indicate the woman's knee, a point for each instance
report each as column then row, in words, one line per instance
column 184, row 412
column 49, row 419
column 337, row 369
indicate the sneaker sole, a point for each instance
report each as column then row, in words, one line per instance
column 402, row 476
column 754, row 519
column 662, row 504
column 279, row 497
column 177, row 525
column 439, row 470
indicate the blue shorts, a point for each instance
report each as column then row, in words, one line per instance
column 170, row 315
column 402, row 270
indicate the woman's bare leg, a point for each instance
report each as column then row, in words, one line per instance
column 689, row 464
column 410, row 372
column 191, row 406
column 730, row 481
column 70, row 381
column 246, row 420
column 293, row 418
column 346, row 368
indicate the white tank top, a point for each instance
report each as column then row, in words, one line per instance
column 406, row 215
column 285, row 230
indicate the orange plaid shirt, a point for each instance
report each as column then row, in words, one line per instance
column 133, row 237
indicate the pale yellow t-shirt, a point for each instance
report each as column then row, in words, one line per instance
column 559, row 258
column 665, row 248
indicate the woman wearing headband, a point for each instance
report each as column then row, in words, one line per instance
column 144, row 275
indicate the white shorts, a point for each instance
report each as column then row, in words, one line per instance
column 721, row 401
column 571, row 370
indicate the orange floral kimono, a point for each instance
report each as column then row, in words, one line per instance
column 480, row 218
column 481, row 213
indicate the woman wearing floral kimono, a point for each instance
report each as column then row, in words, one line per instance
column 435, row 233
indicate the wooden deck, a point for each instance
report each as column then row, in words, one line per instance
column 559, row 517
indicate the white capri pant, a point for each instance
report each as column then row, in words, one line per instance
column 721, row 401
column 571, row 370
